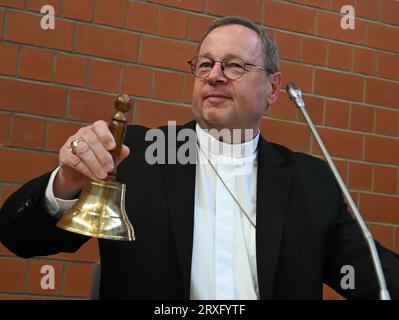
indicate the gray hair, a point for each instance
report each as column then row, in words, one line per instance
column 269, row 48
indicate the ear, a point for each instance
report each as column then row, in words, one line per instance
column 275, row 81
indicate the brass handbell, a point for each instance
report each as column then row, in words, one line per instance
column 100, row 210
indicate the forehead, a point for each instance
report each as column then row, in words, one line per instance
column 232, row 40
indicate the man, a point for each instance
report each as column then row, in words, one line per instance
column 276, row 230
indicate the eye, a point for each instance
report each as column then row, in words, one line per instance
column 234, row 65
column 205, row 64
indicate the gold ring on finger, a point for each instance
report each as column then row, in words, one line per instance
column 73, row 146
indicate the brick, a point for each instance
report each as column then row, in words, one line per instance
column 336, row 5
column 329, row 26
column 137, row 80
column 70, row 70
column 250, row 9
column 88, row 253
column 79, row 10
column 382, row 149
column 7, row 191
column 364, row 61
column 374, row 88
column 17, row 169
column 283, row 132
column 117, row 45
column 28, row 132
column 172, row 23
column 168, row 86
column 142, row 17
column 383, row 234
column 188, row 86
column 22, row 297
column 36, row 5
column 25, row 28
column 385, row 179
column 388, row 65
column 91, row 106
column 174, row 54
column 36, row 64
column 38, row 273
column 360, row 176
column 4, row 127
column 287, row 16
column 362, row 118
column 1, row 22
column 341, row 144
column 289, row 46
column 314, row 51
column 58, row 132
column 379, row 208
column 191, row 5
column 315, row 109
column 387, row 122
column 104, row 75
column 380, row 36
column 8, row 61
column 339, row 56
column 325, row 4
column 12, row 3
column 355, row 197
column 330, row 294
column 283, row 109
column 368, row 9
column 3, row 250
column 31, row 97
column 197, row 26
column 155, row 114
column 389, row 11
column 299, row 1
column 303, row 75
column 78, row 279
column 337, row 114
column 335, row 84
column 111, row 12
column 342, row 169
column 12, row 275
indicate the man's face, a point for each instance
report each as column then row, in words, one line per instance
column 239, row 104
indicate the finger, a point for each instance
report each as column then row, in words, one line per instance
column 99, row 150
column 86, row 155
column 125, row 151
column 101, row 128
column 68, row 159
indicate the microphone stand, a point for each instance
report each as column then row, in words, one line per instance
column 295, row 95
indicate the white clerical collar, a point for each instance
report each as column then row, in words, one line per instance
column 214, row 146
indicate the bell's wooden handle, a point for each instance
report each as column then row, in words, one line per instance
column 118, row 128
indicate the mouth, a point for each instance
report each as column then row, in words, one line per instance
column 216, row 98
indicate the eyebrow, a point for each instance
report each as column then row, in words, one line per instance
column 229, row 55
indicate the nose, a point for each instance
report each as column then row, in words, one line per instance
column 216, row 75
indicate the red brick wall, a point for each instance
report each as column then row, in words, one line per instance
column 52, row 82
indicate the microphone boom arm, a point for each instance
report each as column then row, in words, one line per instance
column 295, row 94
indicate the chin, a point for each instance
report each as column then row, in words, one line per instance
column 217, row 118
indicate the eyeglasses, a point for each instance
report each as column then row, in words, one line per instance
column 232, row 67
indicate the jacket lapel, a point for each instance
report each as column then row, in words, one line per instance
column 272, row 196
column 179, row 182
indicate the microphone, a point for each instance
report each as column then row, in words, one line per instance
column 295, row 94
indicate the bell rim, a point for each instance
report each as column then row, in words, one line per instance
column 102, row 236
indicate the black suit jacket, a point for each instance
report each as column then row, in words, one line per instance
column 304, row 233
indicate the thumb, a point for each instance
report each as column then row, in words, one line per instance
column 125, row 151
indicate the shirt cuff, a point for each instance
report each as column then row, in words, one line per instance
column 56, row 206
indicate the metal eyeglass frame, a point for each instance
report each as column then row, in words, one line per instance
column 193, row 67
